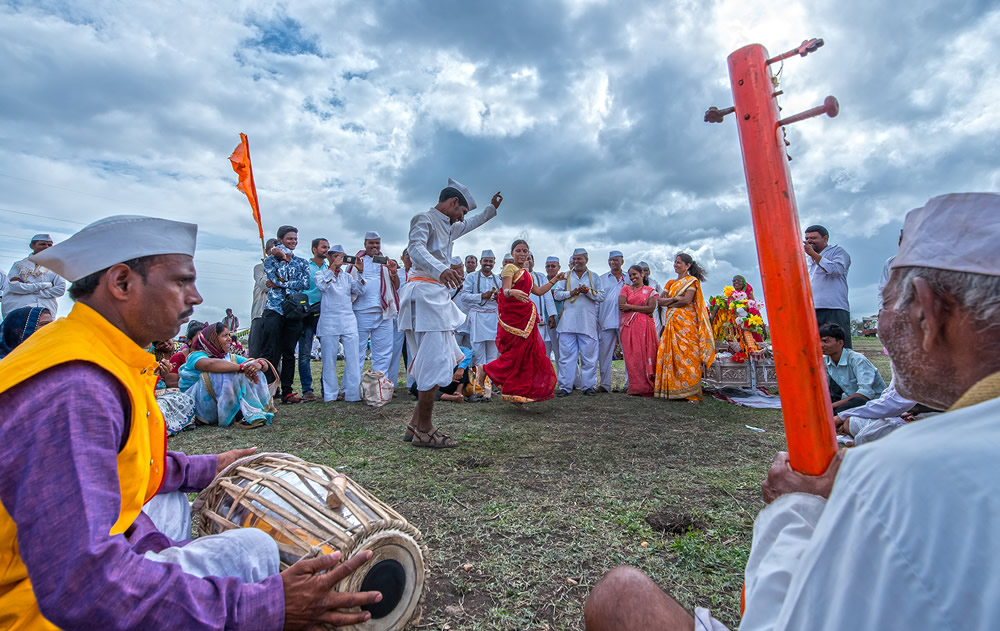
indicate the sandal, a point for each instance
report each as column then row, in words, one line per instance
column 254, row 424
column 434, row 439
column 408, row 434
column 291, row 397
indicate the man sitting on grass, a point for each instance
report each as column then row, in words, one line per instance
column 854, row 380
column 920, row 509
column 453, row 391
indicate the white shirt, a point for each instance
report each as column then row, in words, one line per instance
column 483, row 314
column 370, row 300
column 884, row 280
column 609, row 316
column 545, row 304
column 337, row 291
column 889, row 404
column 579, row 316
column 427, row 306
column 39, row 287
column 3, row 283
column 907, row 539
column 657, row 312
column 259, row 291
column 829, row 278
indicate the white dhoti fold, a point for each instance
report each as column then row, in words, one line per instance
column 248, row 554
column 577, row 349
column 433, row 357
column 352, row 367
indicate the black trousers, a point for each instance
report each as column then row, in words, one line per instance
column 256, row 336
column 836, row 316
column 837, row 394
column 280, row 336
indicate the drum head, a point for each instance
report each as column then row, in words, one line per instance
column 397, row 570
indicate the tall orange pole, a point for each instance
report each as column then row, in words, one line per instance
column 802, row 380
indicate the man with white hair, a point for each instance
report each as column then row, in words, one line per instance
column 32, row 285
column 95, row 476
column 582, row 292
column 609, row 317
column 337, row 325
column 552, row 268
column 427, row 314
column 376, row 309
column 918, row 509
column 480, row 295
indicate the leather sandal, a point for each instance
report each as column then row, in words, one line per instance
column 434, row 439
column 408, row 434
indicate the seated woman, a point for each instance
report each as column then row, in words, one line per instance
column 19, row 325
column 225, row 387
column 177, row 359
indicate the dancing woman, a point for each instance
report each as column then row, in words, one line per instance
column 523, row 370
column 687, row 346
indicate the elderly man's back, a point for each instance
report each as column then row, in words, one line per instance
column 906, row 540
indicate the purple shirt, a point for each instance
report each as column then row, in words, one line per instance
column 59, row 438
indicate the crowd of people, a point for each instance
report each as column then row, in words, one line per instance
column 96, row 476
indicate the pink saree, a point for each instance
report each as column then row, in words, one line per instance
column 639, row 342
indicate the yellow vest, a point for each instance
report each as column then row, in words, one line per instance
column 84, row 335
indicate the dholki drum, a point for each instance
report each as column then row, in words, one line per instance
column 310, row 510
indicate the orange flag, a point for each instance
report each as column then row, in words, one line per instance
column 243, row 168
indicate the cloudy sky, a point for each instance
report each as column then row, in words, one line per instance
column 586, row 114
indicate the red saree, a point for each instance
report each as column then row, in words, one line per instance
column 523, row 370
column 639, row 342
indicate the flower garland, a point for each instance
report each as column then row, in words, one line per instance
column 737, row 317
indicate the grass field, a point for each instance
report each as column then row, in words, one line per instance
column 535, row 506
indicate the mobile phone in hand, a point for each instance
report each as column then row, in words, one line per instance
column 350, row 260
column 381, row 260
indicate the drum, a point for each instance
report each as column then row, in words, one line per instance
column 310, row 510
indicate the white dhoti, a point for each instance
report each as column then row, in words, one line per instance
column 372, row 325
column 433, row 357
column 607, row 339
column 571, row 347
column 352, row 367
column 248, row 554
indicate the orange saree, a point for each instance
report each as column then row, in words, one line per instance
column 687, row 345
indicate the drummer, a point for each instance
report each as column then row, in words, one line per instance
column 82, row 449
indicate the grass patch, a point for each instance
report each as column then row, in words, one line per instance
column 535, row 506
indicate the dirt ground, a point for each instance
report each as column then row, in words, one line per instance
column 534, row 506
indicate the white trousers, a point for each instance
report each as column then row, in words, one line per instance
column 571, row 347
column 398, row 337
column 248, row 554
column 352, row 367
column 606, row 341
column 483, row 353
column 434, row 355
column 371, row 325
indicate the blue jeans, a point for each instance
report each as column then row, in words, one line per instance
column 305, row 352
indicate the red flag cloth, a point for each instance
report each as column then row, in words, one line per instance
column 243, row 168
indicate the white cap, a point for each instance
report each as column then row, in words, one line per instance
column 552, row 259
column 464, row 191
column 955, row 232
column 644, row 264
column 41, row 237
column 336, row 247
column 487, row 254
column 579, row 251
column 372, row 235
column 508, row 257
column 615, row 253
column 113, row 240
column 456, row 261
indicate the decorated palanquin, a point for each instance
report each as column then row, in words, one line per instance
column 743, row 358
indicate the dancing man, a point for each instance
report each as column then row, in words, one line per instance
column 427, row 314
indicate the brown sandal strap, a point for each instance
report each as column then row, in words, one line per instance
column 434, row 439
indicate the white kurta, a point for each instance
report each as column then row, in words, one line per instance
column 427, row 306
column 337, row 325
column 907, row 539
column 658, row 312
column 427, row 313
column 483, row 314
column 39, row 287
column 580, row 315
column 545, row 304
